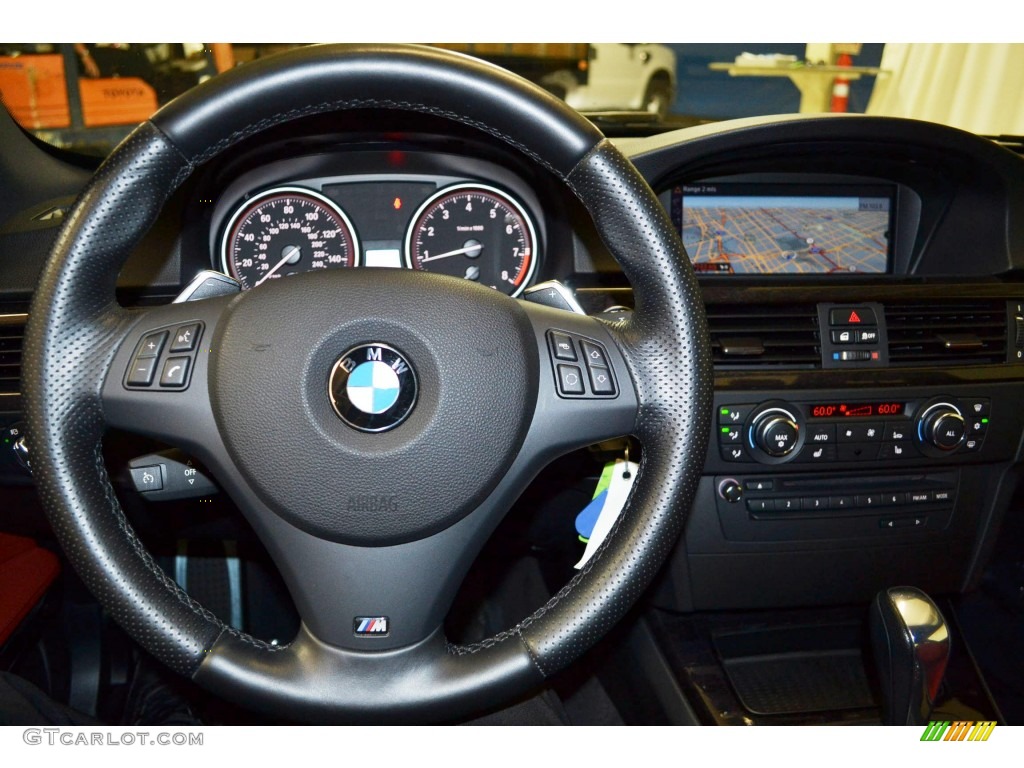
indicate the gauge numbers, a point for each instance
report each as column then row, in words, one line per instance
column 474, row 232
column 284, row 231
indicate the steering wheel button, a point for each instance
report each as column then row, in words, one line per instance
column 147, row 478
column 562, row 347
column 152, row 344
column 186, row 337
column 141, row 372
column 601, row 381
column 570, row 380
column 175, row 372
column 594, row 354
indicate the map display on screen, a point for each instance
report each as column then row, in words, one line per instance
column 780, row 229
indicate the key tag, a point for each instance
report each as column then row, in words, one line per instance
column 620, row 477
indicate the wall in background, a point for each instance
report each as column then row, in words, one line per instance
column 716, row 95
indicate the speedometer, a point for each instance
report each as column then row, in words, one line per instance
column 284, row 231
column 477, row 233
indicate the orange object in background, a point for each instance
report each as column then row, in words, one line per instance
column 116, row 101
column 223, row 56
column 841, row 86
column 34, row 88
column 35, row 91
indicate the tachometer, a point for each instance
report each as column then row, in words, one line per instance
column 284, row 231
column 477, row 233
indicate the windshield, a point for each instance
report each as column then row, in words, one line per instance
column 86, row 97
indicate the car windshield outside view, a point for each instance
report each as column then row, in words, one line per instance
column 85, row 97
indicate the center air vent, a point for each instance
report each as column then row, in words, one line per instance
column 12, row 331
column 947, row 332
column 764, row 336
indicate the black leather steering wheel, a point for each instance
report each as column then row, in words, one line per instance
column 255, row 408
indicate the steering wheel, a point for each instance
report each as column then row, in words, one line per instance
column 372, row 515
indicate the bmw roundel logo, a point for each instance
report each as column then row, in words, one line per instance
column 373, row 387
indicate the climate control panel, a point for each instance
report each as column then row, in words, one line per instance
column 823, row 432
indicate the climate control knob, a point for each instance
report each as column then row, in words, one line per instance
column 775, row 432
column 942, row 425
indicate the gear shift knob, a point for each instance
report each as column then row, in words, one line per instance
column 911, row 645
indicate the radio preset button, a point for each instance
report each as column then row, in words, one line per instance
column 814, row 503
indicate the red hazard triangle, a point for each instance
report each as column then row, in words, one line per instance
column 854, row 317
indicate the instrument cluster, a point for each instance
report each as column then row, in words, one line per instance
column 469, row 228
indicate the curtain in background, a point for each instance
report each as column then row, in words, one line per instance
column 978, row 87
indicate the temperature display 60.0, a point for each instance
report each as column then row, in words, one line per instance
column 853, row 410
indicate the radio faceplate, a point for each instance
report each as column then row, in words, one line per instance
column 761, row 507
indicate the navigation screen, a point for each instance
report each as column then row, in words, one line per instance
column 734, row 228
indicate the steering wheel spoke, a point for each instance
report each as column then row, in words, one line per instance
column 585, row 393
column 157, row 383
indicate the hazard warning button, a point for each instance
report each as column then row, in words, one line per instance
column 851, row 316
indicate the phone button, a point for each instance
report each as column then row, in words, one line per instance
column 175, row 372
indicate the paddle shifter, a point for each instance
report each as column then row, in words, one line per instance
column 911, row 645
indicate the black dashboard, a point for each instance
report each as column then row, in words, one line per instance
column 867, row 425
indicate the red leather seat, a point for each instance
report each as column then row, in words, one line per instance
column 26, row 572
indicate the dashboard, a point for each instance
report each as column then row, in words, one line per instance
column 862, row 279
